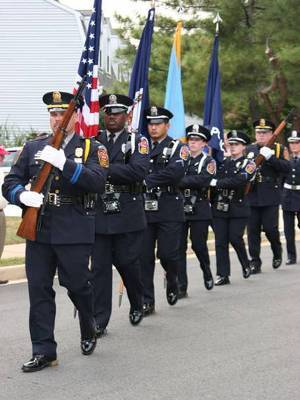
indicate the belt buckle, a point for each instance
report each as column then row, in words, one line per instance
column 54, row 199
column 294, row 187
column 187, row 192
column 109, row 188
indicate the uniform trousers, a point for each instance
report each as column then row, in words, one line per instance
column 71, row 263
column 229, row 230
column 198, row 235
column 167, row 237
column 289, row 232
column 123, row 251
column 266, row 219
column 2, row 231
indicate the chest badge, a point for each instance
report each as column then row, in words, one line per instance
column 78, row 152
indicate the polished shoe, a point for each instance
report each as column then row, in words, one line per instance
column 3, row 282
column 255, row 267
column 88, row 346
column 246, row 272
column 38, row 362
column 100, row 331
column 172, row 296
column 276, row 262
column 148, row 309
column 222, row 280
column 135, row 317
column 209, row 283
column 182, row 294
column 290, row 261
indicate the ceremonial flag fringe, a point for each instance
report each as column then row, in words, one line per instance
column 139, row 87
column 88, row 124
column 174, row 96
column 213, row 113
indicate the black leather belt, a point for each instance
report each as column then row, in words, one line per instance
column 55, row 199
column 109, row 188
column 166, row 189
column 203, row 193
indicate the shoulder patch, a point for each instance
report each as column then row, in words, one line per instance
column 103, row 157
column 143, row 145
column 211, row 167
column 250, row 167
column 184, row 153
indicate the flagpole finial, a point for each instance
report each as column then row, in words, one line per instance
column 217, row 20
column 153, row 4
column 180, row 8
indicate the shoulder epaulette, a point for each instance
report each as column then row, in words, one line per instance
column 41, row 136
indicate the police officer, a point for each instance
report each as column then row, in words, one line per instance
column 230, row 207
column 291, row 197
column 163, row 205
column 121, row 217
column 65, row 232
column 195, row 184
column 265, row 194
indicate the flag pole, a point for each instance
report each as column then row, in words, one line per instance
column 153, row 4
column 217, row 20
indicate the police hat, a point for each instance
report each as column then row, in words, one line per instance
column 58, row 101
column 198, row 131
column 294, row 137
column 238, row 137
column 157, row 115
column 115, row 103
column 263, row 125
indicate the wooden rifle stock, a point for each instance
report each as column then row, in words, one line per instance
column 27, row 228
column 259, row 159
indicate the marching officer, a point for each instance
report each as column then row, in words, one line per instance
column 120, row 218
column 265, row 194
column 291, row 197
column 66, row 228
column 163, row 205
column 230, row 207
column 195, row 187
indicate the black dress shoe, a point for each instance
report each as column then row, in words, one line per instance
column 135, row 317
column 100, row 331
column 38, row 362
column 182, row 293
column 3, row 282
column 255, row 267
column 246, row 272
column 222, row 280
column 88, row 346
column 290, row 261
column 276, row 262
column 209, row 283
column 172, row 296
column 148, row 309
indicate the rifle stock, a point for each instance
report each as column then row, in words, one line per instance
column 259, row 159
column 27, row 228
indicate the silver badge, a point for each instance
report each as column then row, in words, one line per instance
column 234, row 134
column 112, row 99
column 294, row 134
column 196, row 128
column 154, row 111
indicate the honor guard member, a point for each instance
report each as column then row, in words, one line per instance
column 120, row 217
column 163, row 205
column 230, row 207
column 195, row 187
column 265, row 194
column 65, row 229
column 291, row 197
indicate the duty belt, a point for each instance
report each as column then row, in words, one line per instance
column 291, row 187
column 166, row 189
column 109, row 188
column 55, row 199
column 198, row 193
column 262, row 179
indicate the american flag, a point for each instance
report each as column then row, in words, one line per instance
column 89, row 116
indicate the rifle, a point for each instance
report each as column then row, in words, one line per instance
column 259, row 159
column 27, row 228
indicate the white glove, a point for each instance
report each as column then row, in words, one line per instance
column 31, row 199
column 266, row 152
column 55, row 157
column 213, row 182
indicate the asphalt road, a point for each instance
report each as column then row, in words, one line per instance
column 237, row 342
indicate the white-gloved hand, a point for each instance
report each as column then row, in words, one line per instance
column 213, row 182
column 53, row 156
column 266, row 152
column 31, row 199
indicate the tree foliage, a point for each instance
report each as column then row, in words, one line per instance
column 247, row 27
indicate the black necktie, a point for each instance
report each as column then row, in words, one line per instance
column 154, row 145
column 110, row 142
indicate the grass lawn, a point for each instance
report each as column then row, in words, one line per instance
column 6, row 262
column 12, row 224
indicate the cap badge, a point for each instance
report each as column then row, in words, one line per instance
column 112, row 99
column 56, row 97
column 294, row 134
column 196, row 128
column 153, row 111
column 234, row 134
column 262, row 122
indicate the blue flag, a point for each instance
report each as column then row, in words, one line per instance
column 174, row 96
column 213, row 114
column 138, row 87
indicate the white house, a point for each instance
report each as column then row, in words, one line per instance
column 41, row 43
